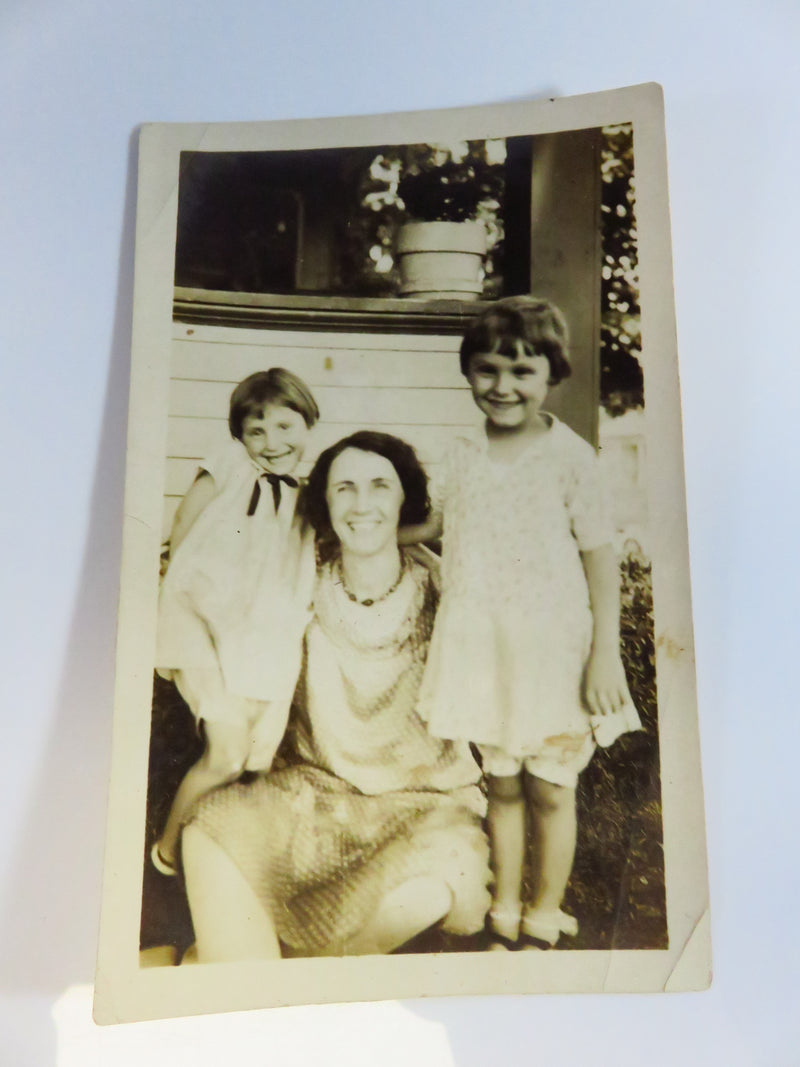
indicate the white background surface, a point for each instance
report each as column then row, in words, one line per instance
column 76, row 79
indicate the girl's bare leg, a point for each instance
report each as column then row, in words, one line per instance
column 229, row 921
column 222, row 761
column 554, row 831
column 409, row 909
column 507, row 839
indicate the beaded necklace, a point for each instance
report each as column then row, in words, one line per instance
column 370, row 601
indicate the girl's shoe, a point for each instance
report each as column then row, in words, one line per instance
column 161, row 865
column 544, row 928
column 502, row 926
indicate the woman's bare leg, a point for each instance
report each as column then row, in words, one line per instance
column 408, row 910
column 229, row 921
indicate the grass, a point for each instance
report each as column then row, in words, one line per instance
column 617, row 884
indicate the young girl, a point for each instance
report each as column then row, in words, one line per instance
column 235, row 599
column 525, row 658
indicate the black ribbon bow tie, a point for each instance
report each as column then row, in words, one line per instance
column 275, row 484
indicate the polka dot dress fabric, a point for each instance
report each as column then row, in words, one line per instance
column 513, row 631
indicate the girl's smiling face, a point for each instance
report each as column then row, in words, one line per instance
column 275, row 438
column 364, row 498
column 510, row 392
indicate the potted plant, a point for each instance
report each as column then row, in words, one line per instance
column 450, row 193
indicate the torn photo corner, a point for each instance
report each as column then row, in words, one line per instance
column 345, row 768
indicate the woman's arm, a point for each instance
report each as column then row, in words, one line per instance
column 430, row 530
column 606, row 688
column 201, row 492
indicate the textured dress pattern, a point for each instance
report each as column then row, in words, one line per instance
column 369, row 799
column 514, row 629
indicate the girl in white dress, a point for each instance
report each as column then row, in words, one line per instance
column 236, row 597
column 525, row 658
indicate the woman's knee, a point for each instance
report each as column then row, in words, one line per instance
column 468, row 877
column 428, row 896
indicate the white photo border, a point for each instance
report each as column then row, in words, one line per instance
column 126, row 992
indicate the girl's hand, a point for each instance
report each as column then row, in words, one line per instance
column 430, row 530
column 606, row 688
column 429, row 560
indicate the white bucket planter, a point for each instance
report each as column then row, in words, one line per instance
column 441, row 260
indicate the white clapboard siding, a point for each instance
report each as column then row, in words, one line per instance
column 196, row 438
column 321, row 366
column 317, row 340
column 405, row 384
column 341, row 404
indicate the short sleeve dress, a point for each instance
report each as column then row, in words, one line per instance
column 236, row 597
column 513, row 632
column 369, row 798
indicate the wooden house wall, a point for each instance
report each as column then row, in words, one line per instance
column 406, row 384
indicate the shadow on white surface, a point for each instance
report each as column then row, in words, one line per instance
column 28, row 1031
column 49, row 910
column 440, row 1032
column 361, row 1035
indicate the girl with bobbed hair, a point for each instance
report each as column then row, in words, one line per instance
column 239, row 582
column 371, row 833
column 525, row 656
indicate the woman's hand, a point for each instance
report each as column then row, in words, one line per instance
column 605, row 686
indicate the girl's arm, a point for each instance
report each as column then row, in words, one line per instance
column 430, row 561
column 201, row 492
column 430, row 530
column 606, row 688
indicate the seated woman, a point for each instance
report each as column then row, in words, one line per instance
column 372, row 833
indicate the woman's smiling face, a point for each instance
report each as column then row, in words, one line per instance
column 364, row 498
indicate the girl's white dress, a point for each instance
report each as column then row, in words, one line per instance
column 514, row 628
column 236, row 598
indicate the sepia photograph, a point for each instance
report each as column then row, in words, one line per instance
column 405, row 688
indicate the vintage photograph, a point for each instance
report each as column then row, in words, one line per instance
column 397, row 651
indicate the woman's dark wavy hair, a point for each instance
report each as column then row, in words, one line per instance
column 313, row 506
column 536, row 324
